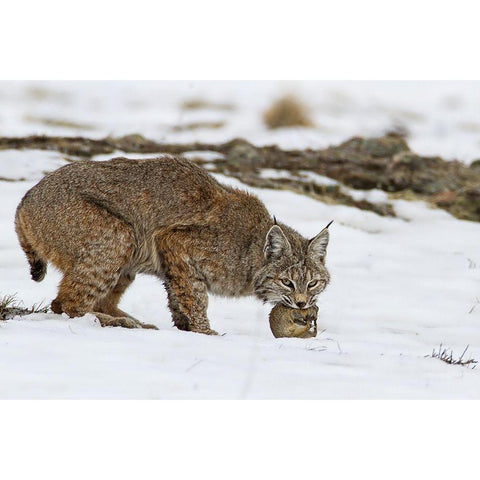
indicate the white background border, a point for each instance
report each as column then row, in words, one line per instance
column 211, row 39
column 247, row 40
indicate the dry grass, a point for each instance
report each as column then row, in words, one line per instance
column 199, row 104
column 287, row 111
column 41, row 94
column 6, row 303
column 477, row 302
column 54, row 122
column 446, row 355
column 198, row 126
column 10, row 307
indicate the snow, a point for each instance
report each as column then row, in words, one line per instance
column 33, row 165
column 400, row 287
column 443, row 118
column 275, row 174
column 304, row 175
column 316, row 178
column 374, row 195
column 204, row 155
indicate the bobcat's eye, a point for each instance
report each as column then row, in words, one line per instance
column 288, row 283
column 312, row 284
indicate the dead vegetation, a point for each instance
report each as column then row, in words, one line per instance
column 287, row 111
column 384, row 163
column 446, row 355
column 197, row 126
column 41, row 94
column 55, row 122
column 477, row 302
column 10, row 307
column 199, row 104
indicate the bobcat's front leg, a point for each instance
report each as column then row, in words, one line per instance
column 188, row 301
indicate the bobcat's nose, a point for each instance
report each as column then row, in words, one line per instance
column 301, row 304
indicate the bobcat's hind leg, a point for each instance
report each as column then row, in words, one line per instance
column 80, row 295
column 95, row 268
column 108, row 304
column 109, row 315
column 93, row 277
column 77, row 295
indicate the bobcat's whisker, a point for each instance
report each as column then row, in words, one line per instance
column 288, row 301
column 313, row 300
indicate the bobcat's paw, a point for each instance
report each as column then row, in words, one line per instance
column 210, row 332
column 205, row 331
column 67, row 307
column 125, row 322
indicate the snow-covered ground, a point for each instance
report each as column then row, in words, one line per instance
column 400, row 286
column 443, row 118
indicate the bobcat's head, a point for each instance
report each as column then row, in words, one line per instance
column 294, row 272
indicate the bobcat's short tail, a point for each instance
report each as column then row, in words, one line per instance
column 38, row 267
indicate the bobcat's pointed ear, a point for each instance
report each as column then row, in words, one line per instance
column 317, row 247
column 276, row 243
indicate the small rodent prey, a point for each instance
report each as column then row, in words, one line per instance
column 291, row 322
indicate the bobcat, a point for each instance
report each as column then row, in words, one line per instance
column 101, row 223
